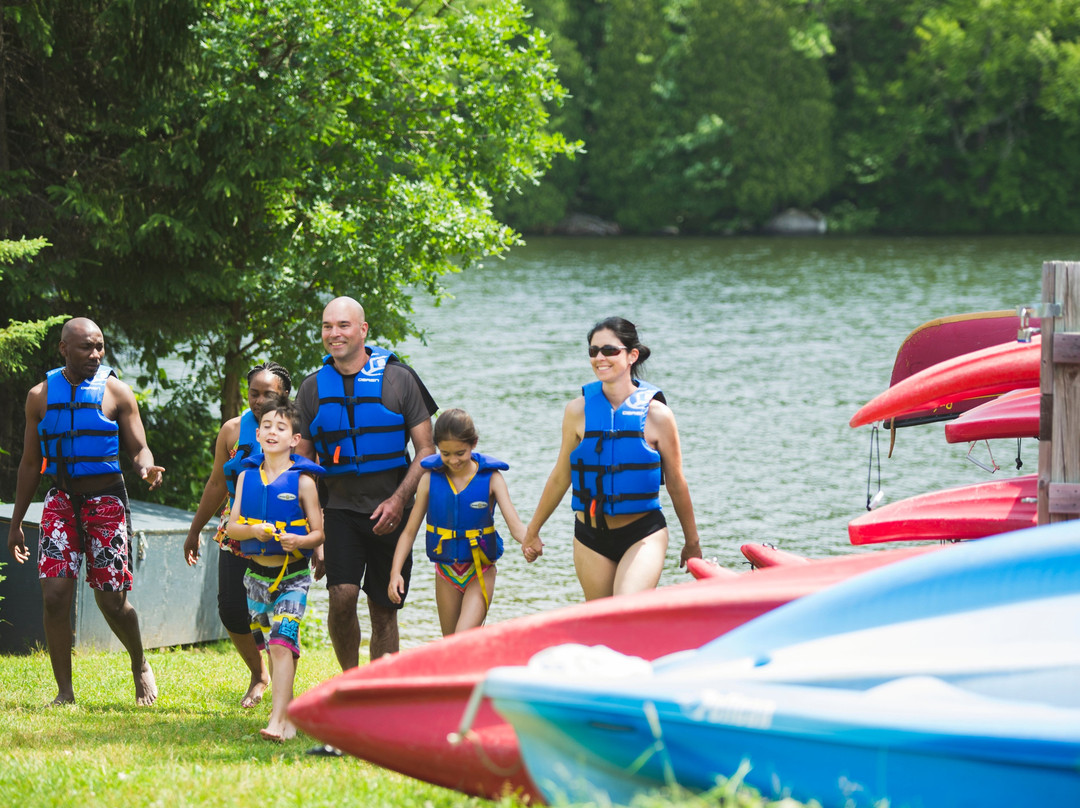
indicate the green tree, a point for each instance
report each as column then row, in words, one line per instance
column 628, row 113
column 962, row 115
column 539, row 206
column 283, row 152
column 750, row 114
column 705, row 114
column 19, row 338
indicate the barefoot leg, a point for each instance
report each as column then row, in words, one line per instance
column 57, row 594
column 124, row 622
column 253, row 658
column 281, row 693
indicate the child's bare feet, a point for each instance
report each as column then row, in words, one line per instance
column 279, row 731
column 146, row 692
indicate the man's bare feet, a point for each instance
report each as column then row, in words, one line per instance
column 271, row 736
column 62, row 699
column 255, row 691
column 146, row 692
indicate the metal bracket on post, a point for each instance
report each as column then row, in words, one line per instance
column 1026, row 331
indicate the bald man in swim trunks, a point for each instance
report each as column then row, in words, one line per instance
column 76, row 422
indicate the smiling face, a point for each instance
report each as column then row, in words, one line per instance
column 83, row 349
column 344, row 332
column 608, row 368
column 263, row 388
column 456, row 454
column 275, row 434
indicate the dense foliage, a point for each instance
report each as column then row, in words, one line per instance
column 895, row 115
column 209, row 173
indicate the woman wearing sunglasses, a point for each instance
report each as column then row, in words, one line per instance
column 619, row 444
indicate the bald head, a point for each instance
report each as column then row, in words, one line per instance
column 344, row 308
column 343, row 334
column 77, row 328
column 83, row 348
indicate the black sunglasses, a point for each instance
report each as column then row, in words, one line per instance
column 606, row 350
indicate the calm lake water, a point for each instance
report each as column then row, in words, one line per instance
column 764, row 348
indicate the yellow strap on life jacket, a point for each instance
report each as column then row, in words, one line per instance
column 479, row 558
column 281, row 573
column 446, row 533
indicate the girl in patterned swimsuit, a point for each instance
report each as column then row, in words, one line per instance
column 457, row 495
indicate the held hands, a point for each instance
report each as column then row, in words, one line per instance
column 532, row 548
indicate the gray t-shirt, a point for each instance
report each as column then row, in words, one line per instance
column 402, row 392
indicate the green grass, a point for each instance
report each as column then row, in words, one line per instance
column 195, row 746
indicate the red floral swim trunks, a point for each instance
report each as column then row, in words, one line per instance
column 95, row 525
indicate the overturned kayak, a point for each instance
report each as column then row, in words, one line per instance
column 975, row 377
column 1012, row 415
column 403, row 711
column 942, row 339
column 952, row 514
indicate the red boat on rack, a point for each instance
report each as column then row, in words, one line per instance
column 945, row 338
column 976, row 376
column 952, row 514
column 1012, row 415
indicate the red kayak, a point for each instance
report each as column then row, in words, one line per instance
column 1012, row 415
column 977, row 376
column 944, row 338
column 761, row 556
column 702, row 568
column 398, row 711
column 953, row 514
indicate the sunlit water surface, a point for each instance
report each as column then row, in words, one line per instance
column 764, row 348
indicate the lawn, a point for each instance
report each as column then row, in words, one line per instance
column 195, row 746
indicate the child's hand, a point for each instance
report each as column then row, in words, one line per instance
column 264, row 532
column 396, row 588
column 290, row 541
column 532, row 548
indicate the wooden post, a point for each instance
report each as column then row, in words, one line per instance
column 1059, row 388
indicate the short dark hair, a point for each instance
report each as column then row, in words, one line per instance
column 287, row 410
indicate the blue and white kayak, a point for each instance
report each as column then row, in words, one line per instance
column 952, row 679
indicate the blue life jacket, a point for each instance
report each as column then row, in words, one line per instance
column 613, row 470
column 460, row 526
column 246, row 445
column 357, row 434
column 277, row 503
column 77, row 440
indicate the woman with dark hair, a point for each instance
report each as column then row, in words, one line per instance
column 619, row 444
column 268, row 383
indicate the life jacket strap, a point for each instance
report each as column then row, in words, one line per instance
column 449, row 534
